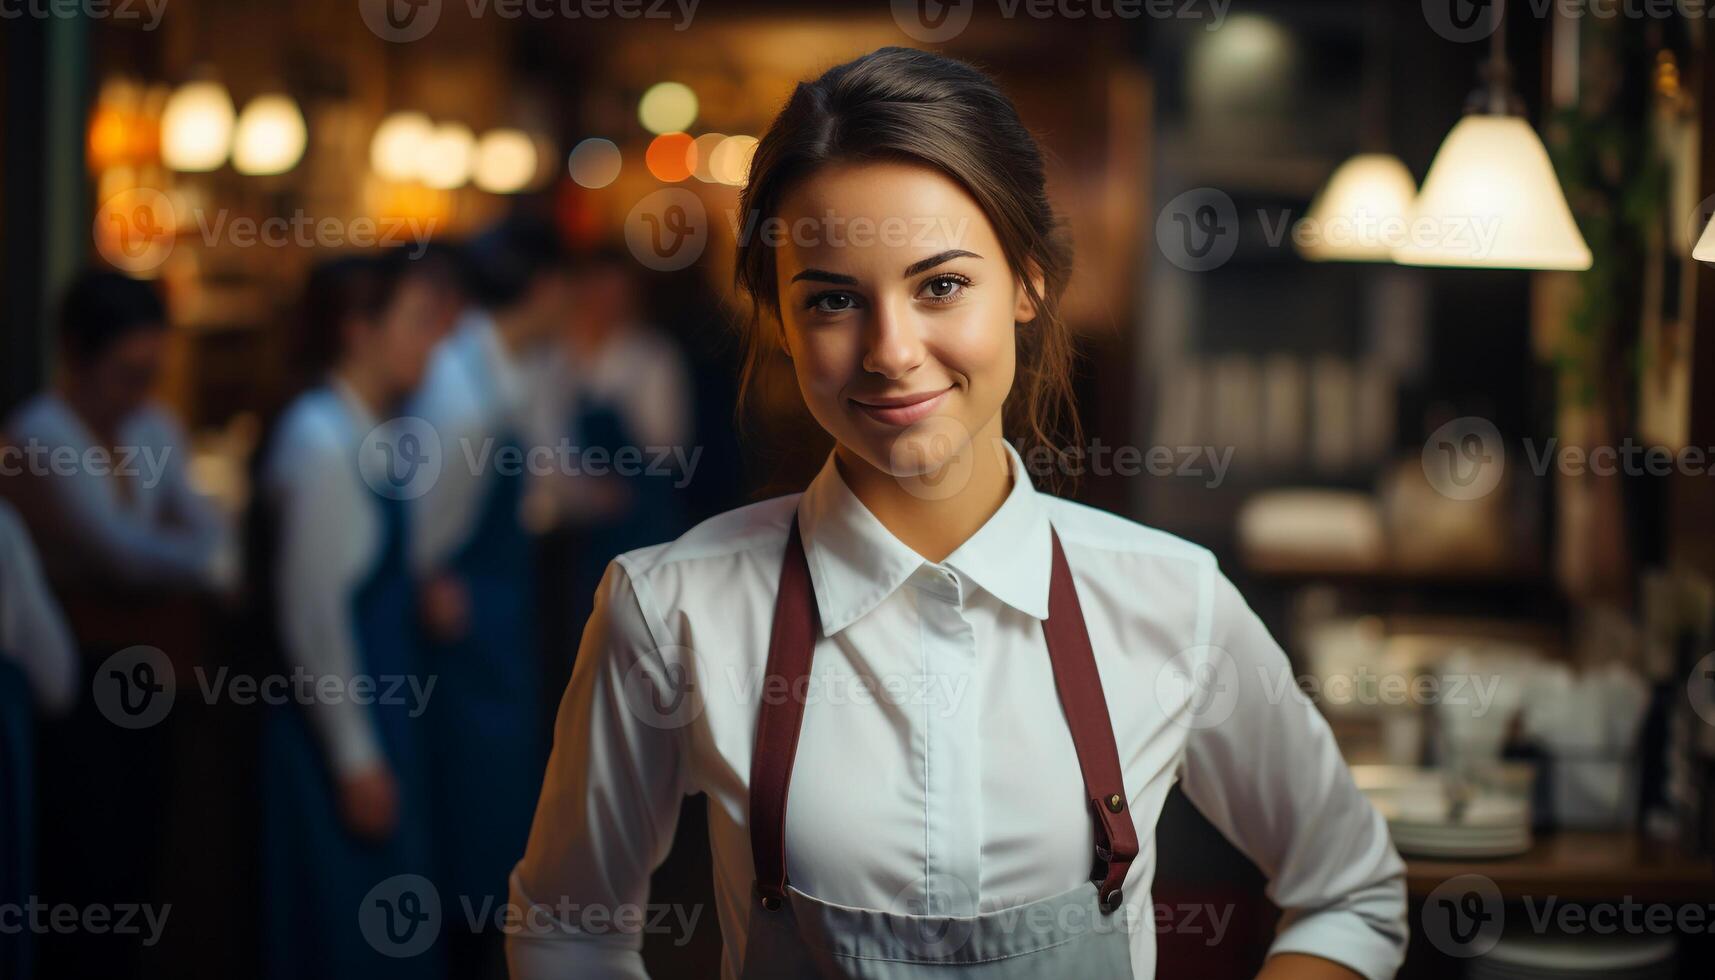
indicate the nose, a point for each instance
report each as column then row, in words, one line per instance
column 894, row 345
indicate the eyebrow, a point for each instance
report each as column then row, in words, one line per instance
column 922, row 265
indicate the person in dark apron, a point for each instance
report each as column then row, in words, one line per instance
column 484, row 729
column 345, row 827
column 476, row 561
column 936, row 711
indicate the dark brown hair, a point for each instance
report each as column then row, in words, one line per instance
column 902, row 104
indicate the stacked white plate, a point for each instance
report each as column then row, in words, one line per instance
column 1587, row 957
column 1493, row 825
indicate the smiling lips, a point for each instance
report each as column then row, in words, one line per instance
column 903, row 409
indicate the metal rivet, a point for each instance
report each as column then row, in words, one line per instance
column 1111, row 900
column 1116, row 803
column 771, row 903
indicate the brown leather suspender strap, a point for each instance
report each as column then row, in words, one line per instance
column 796, row 623
column 1086, row 708
column 781, row 715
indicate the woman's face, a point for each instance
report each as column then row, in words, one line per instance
column 406, row 332
column 899, row 312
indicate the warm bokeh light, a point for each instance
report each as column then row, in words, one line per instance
column 122, row 130
column 667, row 107
column 270, row 136
column 505, row 161
column 397, row 145
column 730, row 163
column 703, row 156
column 668, row 157
column 196, row 128
column 594, row 163
column 444, row 160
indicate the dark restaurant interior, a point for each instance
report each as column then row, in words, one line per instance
column 1393, row 306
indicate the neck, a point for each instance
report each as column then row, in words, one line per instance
column 368, row 386
column 101, row 423
column 934, row 526
column 512, row 329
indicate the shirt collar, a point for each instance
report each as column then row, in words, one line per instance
column 362, row 417
column 491, row 356
column 856, row 562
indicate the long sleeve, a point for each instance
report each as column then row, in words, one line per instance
column 610, row 801
column 133, row 550
column 1263, row 766
column 32, row 629
column 194, row 513
column 326, row 537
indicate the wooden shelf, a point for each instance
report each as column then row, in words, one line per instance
column 1583, row 866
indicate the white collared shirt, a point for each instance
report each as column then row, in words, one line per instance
column 158, row 531
column 934, row 754
column 329, row 538
column 474, row 392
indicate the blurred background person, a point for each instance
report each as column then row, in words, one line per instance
column 618, row 392
column 38, row 673
column 344, row 782
column 125, row 513
column 476, row 558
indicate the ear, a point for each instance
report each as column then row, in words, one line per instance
column 1023, row 311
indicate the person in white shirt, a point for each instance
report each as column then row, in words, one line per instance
column 116, row 496
column 344, row 767
column 476, row 559
column 616, row 393
column 935, row 710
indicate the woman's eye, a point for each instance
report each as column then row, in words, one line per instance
column 944, row 289
column 832, row 302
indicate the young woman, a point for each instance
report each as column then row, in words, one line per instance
column 344, row 775
column 936, row 711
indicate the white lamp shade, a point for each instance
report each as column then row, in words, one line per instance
column 1491, row 200
column 445, row 159
column 1704, row 251
column 505, row 161
column 1360, row 215
column 398, row 145
column 196, row 127
column 270, row 136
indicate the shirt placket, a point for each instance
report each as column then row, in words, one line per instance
column 952, row 756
